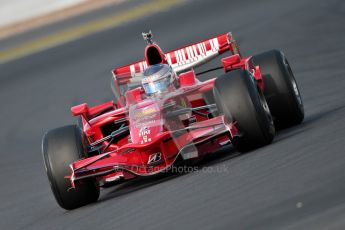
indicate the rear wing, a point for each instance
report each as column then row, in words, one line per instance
column 186, row 57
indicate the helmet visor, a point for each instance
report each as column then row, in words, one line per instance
column 157, row 86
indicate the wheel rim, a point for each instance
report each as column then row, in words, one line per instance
column 294, row 83
column 267, row 111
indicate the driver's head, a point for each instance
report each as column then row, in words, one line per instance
column 158, row 78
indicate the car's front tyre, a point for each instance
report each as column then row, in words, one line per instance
column 61, row 147
column 242, row 102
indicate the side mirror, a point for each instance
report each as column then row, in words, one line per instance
column 187, row 78
column 229, row 62
column 81, row 109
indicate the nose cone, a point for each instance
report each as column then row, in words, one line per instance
column 145, row 122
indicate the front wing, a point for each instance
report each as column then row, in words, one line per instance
column 159, row 154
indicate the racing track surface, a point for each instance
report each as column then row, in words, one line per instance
column 298, row 182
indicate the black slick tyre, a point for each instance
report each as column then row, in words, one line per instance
column 281, row 89
column 241, row 101
column 61, row 147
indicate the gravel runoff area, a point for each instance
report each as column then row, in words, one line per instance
column 21, row 16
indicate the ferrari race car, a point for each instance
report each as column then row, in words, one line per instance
column 162, row 114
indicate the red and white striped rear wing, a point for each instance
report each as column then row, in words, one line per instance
column 186, row 57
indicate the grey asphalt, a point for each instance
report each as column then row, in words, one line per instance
column 298, row 182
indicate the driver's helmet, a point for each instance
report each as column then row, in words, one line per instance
column 158, row 78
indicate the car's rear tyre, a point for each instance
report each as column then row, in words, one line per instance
column 281, row 90
column 240, row 100
column 61, row 147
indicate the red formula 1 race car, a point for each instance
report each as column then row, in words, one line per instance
column 163, row 115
